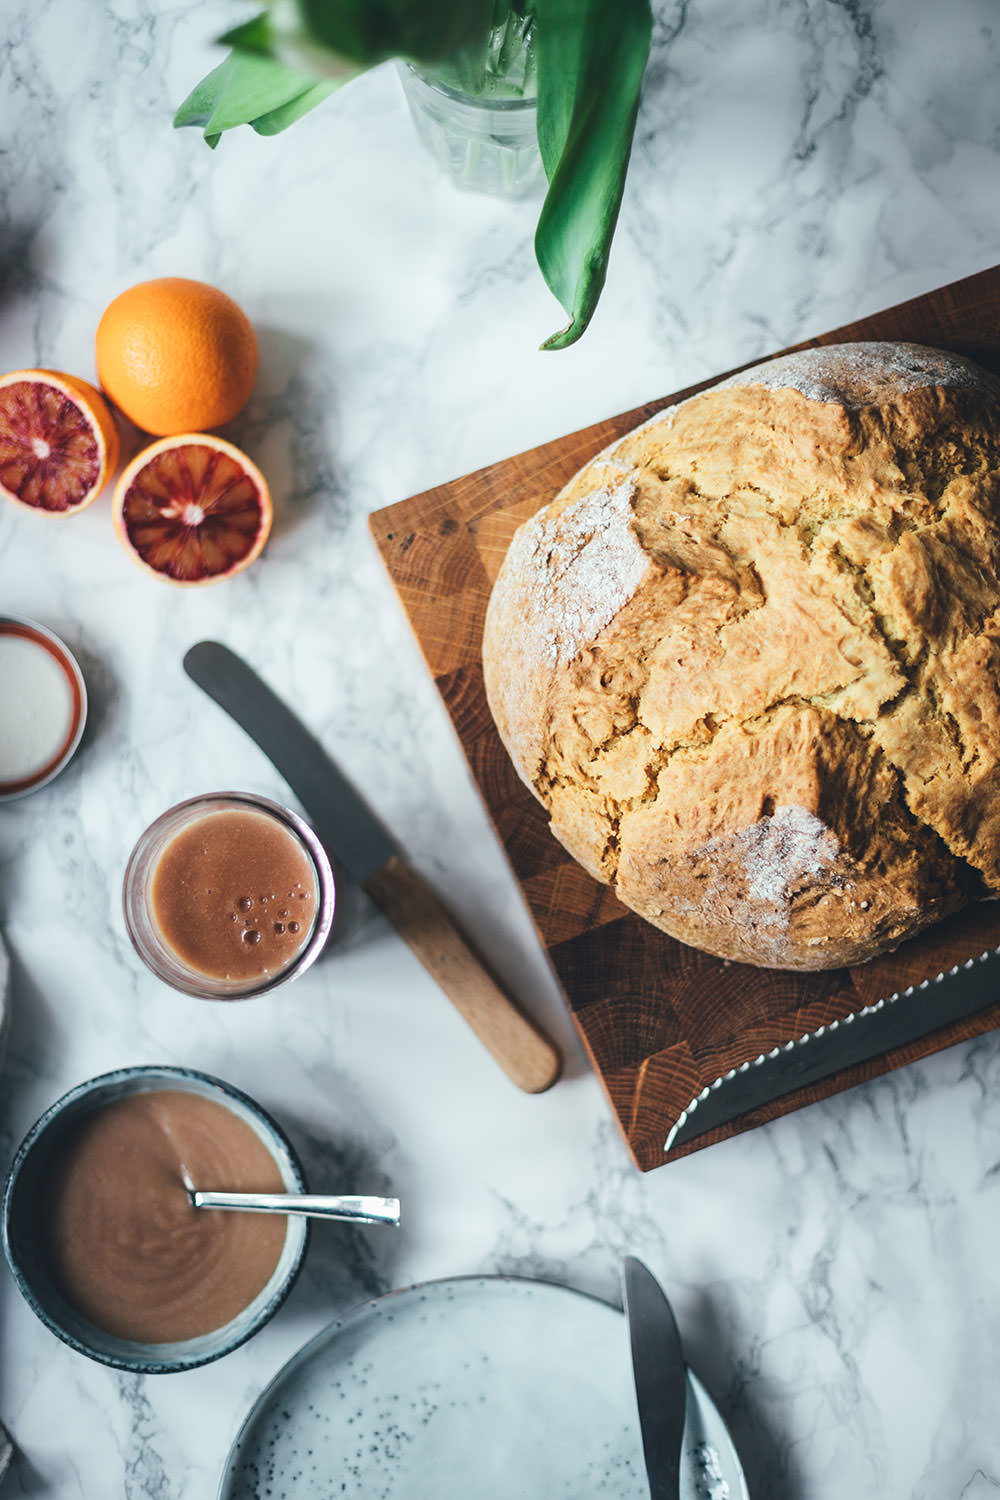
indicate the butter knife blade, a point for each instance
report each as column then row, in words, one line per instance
column 660, row 1376
column 354, row 837
column 894, row 1021
column 345, row 826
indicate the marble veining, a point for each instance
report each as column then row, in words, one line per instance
column 798, row 163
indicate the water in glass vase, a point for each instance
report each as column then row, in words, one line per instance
column 478, row 121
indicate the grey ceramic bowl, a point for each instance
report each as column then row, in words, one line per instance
column 21, row 1238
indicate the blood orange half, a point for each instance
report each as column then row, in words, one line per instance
column 192, row 509
column 58, row 441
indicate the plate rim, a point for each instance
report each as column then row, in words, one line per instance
column 352, row 1313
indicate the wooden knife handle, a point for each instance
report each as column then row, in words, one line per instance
column 424, row 923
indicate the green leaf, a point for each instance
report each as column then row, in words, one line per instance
column 591, row 57
column 250, row 36
column 277, row 120
column 248, row 89
column 371, row 31
column 289, row 58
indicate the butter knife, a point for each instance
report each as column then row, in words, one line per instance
column 660, row 1376
column 352, row 834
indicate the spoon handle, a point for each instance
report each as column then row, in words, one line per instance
column 315, row 1205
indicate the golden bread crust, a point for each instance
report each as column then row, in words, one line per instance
column 749, row 657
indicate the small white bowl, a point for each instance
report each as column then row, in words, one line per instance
column 43, row 706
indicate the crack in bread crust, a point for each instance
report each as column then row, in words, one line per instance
column 798, row 601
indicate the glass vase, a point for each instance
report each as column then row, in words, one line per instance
column 485, row 141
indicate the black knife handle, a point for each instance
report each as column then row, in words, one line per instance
column 284, row 739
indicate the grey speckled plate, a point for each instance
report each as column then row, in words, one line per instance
column 476, row 1388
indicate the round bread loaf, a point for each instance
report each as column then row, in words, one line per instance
column 749, row 657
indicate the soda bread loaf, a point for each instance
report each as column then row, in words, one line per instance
column 749, row 657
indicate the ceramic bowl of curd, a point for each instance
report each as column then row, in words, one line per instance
column 103, row 1240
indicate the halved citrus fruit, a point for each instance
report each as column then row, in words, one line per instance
column 192, row 509
column 58, row 441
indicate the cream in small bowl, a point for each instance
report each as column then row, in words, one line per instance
column 43, row 706
column 104, row 1243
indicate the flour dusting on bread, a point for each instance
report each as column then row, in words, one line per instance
column 781, row 852
column 858, row 374
column 593, row 564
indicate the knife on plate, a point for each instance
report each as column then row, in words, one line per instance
column 866, row 1033
column 660, row 1375
column 352, row 835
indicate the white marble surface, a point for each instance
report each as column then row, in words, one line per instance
column 798, row 163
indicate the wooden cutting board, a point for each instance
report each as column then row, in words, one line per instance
column 659, row 1020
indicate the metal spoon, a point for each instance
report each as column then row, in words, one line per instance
column 315, row 1205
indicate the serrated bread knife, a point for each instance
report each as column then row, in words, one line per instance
column 866, row 1033
column 354, row 837
column 660, row 1376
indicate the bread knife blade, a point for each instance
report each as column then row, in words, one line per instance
column 352, row 835
column 660, row 1375
column 866, row 1033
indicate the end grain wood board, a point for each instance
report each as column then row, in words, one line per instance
column 659, row 1020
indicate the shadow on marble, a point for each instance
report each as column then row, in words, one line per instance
column 354, row 915
column 23, row 1478
column 767, row 1455
column 103, row 697
column 286, row 430
column 132, row 440
column 22, row 269
column 345, row 1263
column 30, row 1025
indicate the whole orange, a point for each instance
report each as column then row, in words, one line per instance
column 176, row 355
